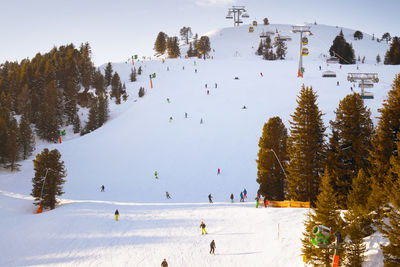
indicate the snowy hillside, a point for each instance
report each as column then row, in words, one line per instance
column 139, row 139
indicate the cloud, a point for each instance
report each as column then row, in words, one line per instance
column 214, row 2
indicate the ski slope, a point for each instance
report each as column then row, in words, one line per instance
column 139, row 140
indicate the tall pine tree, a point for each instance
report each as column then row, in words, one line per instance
column 161, row 43
column 271, row 178
column 306, row 148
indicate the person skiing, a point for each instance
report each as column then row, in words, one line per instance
column 206, row 85
column 232, row 197
column 116, row 214
column 351, row 88
column 170, row 119
column 245, row 193
column 216, row 85
column 168, row 100
column 337, row 83
column 201, row 121
column 102, row 188
column 319, row 67
column 219, row 171
column 244, row 107
column 241, row 197
column 167, row 68
column 212, row 247
column 195, row 70
column 203, row 228
column 183, row 67
column 164, row 263
column 156, row 174
column 208, row 92
column 167, row 195
column 185, row 115
column 210, row 198
column 261, row 74
column 257, row 201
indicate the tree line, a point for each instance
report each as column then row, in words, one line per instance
column 40, row 96
column 355, row 168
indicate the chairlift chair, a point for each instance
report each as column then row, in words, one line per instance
column 304, row 40
column 245, row 15
column 251, row 29
column 367, row 95
column 304, row 51
column 332, row 60
column 329, row 74
column 229, row 17
column 254, row 23
column 367, row 84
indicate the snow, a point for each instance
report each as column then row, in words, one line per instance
column 139, row 140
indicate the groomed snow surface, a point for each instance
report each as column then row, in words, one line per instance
column 139, row 140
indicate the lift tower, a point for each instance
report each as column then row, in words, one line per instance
column 238, row 12
column 301, row 29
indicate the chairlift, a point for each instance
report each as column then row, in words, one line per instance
column 366, row 84
column 332, row 60
column 254, row 23
column 251, row 29
column 304, row 52
column 240, row 21
column 229, row 16
column 367, row 95
column 245, row 15
column 304, row 40
column 329, row 74
column 280, row 38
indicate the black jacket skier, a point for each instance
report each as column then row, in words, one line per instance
column 212, row 247
column 210, row 198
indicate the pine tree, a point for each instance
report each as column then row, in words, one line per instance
column 392, row 56
column 306, row 148
column 348, row 153
column 123, row 92
column 271, row 178
column 384, row 146
column 108, row 74
column 26, row 138
column 280, row 49
column 203, row 46
column 266, row 22
column 326, row 213
column 260, row 48
column 160, row 45
column 139, row 72
column 190, row 52
column 133, row 75
column 49, row 178
column 358, row 35
column 3, row 140
column 93, row 122
column 386, row 36
column 355, row 247
column 378, row 59
column 390, row 227
column 186, row 34
column 268, row 53
column 342, row 49
column 103, row 110
column 98, row 82
column 12, row 146
column 77, row 124
column 116, row 88
column 173, row 47
column 48, row 124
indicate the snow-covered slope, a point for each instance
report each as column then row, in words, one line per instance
column 139, row 140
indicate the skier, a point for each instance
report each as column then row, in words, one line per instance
column 319, row 67
column 337, row 83
column 208, row 92
column 156, row 174
column 183, row 67
column 241, row 197
column 201, row 121
column 210, row 198
column 212, row 247
column 206, row 85
column 216, row 85
column 219, row 171
column 231, row 197
column 167, row 194
column 102, row 188
column 203, row 228
column 168, row 100
column 167, row 68
column 195, row 70
column 261, row 74
column 351, row 88
column 340, row 66
column 116, row 214
column 185, row 115
column 39, row 209
column 265, row 202
column 244, row 107
column 245, row 193
column 164, row 263
column 170, row 119
column 257, row 201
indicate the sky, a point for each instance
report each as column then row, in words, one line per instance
column 119, row 29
